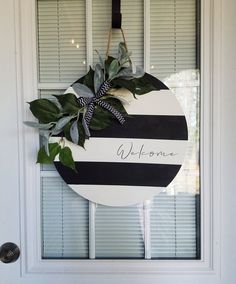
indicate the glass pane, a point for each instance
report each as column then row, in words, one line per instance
column 119, row 232
column 64, row 221
column 174, row 214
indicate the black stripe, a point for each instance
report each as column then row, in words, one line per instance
column 129, row 174
column 170, row 127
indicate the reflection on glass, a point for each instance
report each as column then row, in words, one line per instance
column 185, row 86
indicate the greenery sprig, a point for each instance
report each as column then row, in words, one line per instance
column 65, row 115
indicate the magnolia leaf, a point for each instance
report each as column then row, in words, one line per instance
column 113, row 69
column 98, row 77
column 82, row 90
column 87, row 79
column 101, row 61
column 127, row 84
column 44, row 158
column 44, row 110
column 108, row 62
column 123, row 54
column 102, row 118
column 65, row 157
column 39, row 125
column 62, row 123
column 146, row 84
column 74, row 132
column 69, row 103
column 127, row 73
column 121, row 51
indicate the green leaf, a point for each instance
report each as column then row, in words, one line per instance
column 44, row 110
column 139, row 86
column 143, row 85
column 113, row 68
column 69, row 103
column 65, row 157
column 43, row 158
column 102, row 118
column 108, row 62
column 127, row 84
column 87, row 79
column 66, row 131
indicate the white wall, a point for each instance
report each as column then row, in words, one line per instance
column 228, row 140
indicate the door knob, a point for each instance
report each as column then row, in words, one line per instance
column 9, row 252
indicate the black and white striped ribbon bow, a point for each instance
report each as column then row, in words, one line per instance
column 91, row 102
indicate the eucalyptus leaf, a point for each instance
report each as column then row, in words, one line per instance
column 66, row 131
column 82, row 90
column 44, row 110
column 98, row 77
column 39, row 125
column 44, row 158
column 74, row 132
column 61, row 123
column 45, row 139
column 65, row 157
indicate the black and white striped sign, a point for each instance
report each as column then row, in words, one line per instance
column 128, row 164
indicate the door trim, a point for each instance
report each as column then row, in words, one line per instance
column 31, row 262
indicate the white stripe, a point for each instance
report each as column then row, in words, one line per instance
column 128, row 150
column 112, row 195
column 162, row 102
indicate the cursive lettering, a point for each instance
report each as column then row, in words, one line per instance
column 125, row 152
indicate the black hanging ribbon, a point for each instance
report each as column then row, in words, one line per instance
column 116, row 14
column 91, row 102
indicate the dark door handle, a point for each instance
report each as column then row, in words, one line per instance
column 9, row 252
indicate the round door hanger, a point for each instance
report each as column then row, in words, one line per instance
column 128, row 164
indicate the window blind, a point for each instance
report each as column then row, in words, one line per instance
column 64, row 222
column 173, row 226
column 119, row 232
column 61, row 40
column 172, row 36
column 132, row 23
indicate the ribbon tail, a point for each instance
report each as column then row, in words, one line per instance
column 86, row 128
column 87, row 118
column 119, row 116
